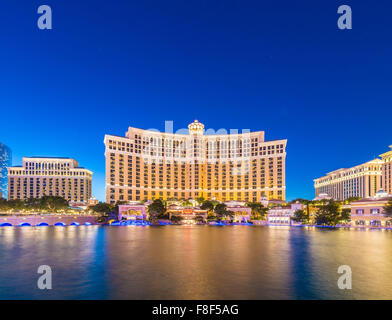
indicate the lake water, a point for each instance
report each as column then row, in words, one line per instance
column 194, row 262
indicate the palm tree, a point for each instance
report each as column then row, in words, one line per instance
column 258, row 210
column 200, row 200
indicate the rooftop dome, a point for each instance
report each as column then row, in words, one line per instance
column 196, row 127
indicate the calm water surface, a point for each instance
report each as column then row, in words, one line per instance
column 198, row 262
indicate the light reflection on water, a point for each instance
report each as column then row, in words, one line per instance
column 194, row 262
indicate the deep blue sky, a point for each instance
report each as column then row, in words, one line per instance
column 279, row 66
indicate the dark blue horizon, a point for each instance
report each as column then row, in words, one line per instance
column 284, row 68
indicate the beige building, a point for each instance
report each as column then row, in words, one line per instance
column 146, row 165
column 360, row 181
column 370, row 212
column 40, row 176
column 387, row 171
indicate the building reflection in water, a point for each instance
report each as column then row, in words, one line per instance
column 75, row 254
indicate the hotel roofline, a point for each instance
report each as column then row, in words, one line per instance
column 386, row 153
column 336, row 172
column 49, row 158
column 228, row 136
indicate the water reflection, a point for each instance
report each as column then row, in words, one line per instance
column 194, row 262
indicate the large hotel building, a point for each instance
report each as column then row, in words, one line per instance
column 146, row 165
column 47, row 176
column 387, row 171
column 361, row 181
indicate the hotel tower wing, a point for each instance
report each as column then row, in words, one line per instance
column 146, row 165
column 361, row 181
column 50, row 176
column 387, row 171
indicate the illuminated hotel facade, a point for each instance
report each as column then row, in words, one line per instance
column 48, row 176
column 387, row 171
column 360, row 181
column 146, row 165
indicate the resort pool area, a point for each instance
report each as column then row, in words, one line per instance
column 194, row 262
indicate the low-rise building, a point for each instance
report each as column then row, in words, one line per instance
column 369, row 212
column 282, row 215
column 241, row 212
column 92, row 202
column 188, row 214
column 132, row 212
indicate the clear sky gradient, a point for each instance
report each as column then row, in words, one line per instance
column 279, row 66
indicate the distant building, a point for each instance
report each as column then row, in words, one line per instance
column 387, row 171
column 92, row 202
column 361, row 181
column 50, row 176
column 323, row 196
column 5, row 161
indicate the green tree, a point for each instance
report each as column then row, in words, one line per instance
column 175, row 218
column 211, row 217
column 32, row 203
column 328, row 214
column 388, row 209
column 53, row 203
column 345, row 215
column 118, row 203
column 102, row 208
column 156, row 209
column 200, row 200
column 258, row 210
column 15, row 204
column 3, row 204
column 221, row 211
column 207, row 205
column 186, row 203
column 163, row 215
column 300, row 200
column 351, row 199
column 199, row 218
column 301, row 216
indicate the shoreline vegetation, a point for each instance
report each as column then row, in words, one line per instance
column 320, row 213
